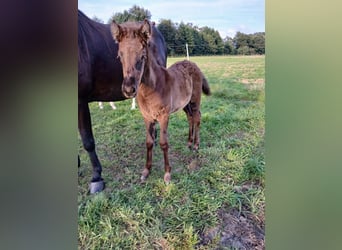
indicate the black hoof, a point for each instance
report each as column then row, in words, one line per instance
column 96, row 187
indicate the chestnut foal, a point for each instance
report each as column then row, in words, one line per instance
column 159, row 91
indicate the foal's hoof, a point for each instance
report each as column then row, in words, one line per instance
column 143, row 178
column 96, row 187
column 167, row 178
column 144, row 174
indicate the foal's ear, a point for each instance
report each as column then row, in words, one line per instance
column 116, row 31
column 146, row 30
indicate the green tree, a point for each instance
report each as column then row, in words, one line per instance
column 168, row 30
column 135, row 13
column 229, row 48
column 258, row 42
column 183, row 36
column 199, row 42
column 245, row 50
column 213, row 39
column 249, row 44
column 241, row 40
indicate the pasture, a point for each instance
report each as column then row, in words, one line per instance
column 216, row 197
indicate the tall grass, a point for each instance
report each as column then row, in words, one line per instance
column 226, row 173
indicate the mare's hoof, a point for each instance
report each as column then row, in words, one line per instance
column 96, row 187
column 167, row 178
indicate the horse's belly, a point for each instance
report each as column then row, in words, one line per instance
column 179, row 103
column 104, row 91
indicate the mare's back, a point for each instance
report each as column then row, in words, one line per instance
column 94, row 39
column 160, row 46
column 98, row 65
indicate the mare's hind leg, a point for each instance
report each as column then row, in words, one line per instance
column 112, row 104
column 188, row 113
column 84, row 127
column 150, row 137
column 101, row 105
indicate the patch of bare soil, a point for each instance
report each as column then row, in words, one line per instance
column 236, row 231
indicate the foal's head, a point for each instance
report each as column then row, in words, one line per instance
column 133, row 41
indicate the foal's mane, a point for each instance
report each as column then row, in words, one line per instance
column 132, row 30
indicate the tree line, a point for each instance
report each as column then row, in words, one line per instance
column 200, row 40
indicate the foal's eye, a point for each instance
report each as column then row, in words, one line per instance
column 138, row 65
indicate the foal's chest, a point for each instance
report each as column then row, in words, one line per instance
column 152, row 107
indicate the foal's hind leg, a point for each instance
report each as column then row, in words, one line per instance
column 196, row 122
column 150, row 137
column 188, row 113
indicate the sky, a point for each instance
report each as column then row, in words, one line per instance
column 225, row 16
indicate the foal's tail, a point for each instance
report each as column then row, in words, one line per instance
column 205, row 86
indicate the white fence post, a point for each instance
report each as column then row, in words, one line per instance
column 187, row 51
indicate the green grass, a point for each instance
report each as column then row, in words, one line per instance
column 228, row 171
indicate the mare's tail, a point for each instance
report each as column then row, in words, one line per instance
column 205, row 86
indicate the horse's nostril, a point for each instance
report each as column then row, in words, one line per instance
column 129, row 91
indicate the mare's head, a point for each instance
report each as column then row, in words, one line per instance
column 133, row 41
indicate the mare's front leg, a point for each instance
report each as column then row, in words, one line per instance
column 84, row 127
column 133, row 104
column 164, row 145
column 150, row 137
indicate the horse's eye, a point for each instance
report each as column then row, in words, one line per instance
column 138, row 65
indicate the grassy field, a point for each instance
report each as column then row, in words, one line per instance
column 216, row 198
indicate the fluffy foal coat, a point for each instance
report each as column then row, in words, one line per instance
column 159, row 91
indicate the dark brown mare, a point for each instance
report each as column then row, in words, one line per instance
column 100, row 79
column 159, row 91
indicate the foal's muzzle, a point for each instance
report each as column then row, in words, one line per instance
column 129, row 87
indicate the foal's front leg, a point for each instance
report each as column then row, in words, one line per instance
column 150, row 137
column 164, row 145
